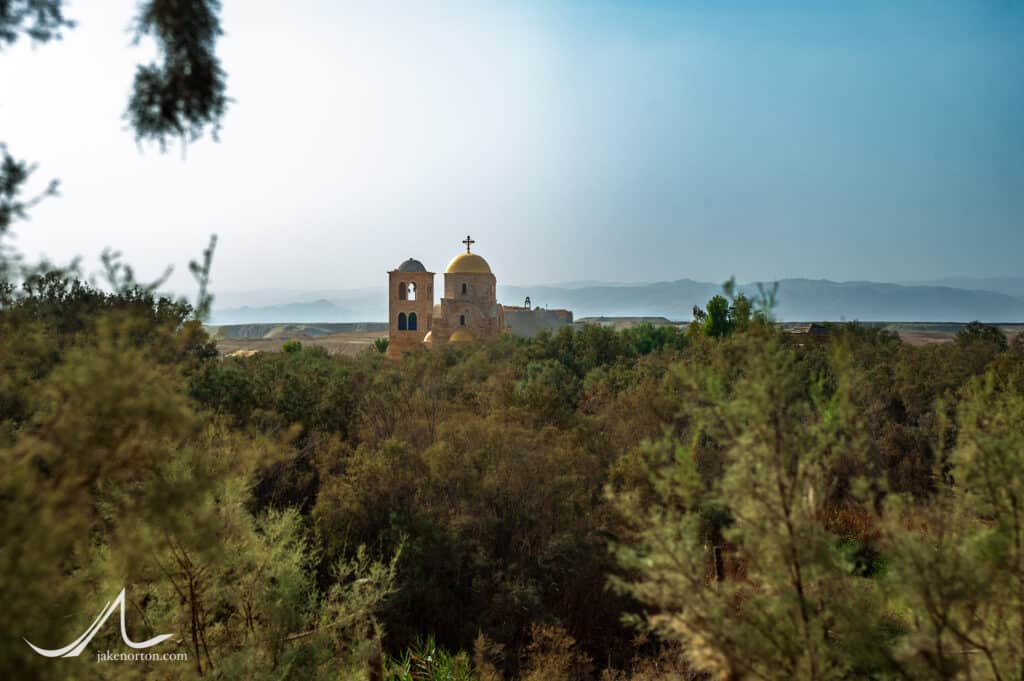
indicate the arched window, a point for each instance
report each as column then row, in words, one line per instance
column 462, row 320
column 465, row 288
column 412, row 321
column 401, row 321
column 412, row 291
column 402, row 290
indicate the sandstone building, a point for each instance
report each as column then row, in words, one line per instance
column 468, row 309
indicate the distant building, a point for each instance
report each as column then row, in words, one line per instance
column 522, row 321
column 467, row 311
column 810, row 333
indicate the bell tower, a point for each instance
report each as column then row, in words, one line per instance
column 410, row 306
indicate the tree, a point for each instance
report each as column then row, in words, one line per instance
column 1017, row 345
column 726, row 314
column 958, row 559
column 741, row 312
column 978, row 333
column 184, row 94
column 718, row 323
column 113, row 478
column 176, row 98
column 40, row 20
column 646, row 338
column 14, row 174
column 741, row 569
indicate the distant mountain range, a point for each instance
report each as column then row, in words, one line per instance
column 991, row 300
column 1011, row 286
column 315, row 311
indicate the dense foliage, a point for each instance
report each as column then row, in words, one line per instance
column 643, row 504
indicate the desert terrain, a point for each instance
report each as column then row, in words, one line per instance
column 351, row 339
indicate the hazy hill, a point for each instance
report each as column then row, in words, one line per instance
column 826, row 300
column 669, row 299
column 799, row 299
column 1011, row 286
column 315, row 311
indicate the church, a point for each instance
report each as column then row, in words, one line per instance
column 468, row 309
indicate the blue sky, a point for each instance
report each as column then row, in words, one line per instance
column 619, row 141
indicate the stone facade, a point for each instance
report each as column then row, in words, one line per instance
column 469, row 304
column 410, row 306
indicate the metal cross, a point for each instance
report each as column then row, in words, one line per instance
column 468, row 241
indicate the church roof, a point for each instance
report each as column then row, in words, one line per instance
column 461, row 336
column 468, row 263
column 412, row 265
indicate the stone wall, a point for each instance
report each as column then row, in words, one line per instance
column 520, row 321
column 401, row 306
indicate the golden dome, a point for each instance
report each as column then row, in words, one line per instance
column 468, row 263
column 461, row 335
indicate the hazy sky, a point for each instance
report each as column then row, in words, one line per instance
column 621, row 141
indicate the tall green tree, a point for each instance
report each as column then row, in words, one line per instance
column 740, row 568
column 958, row 558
